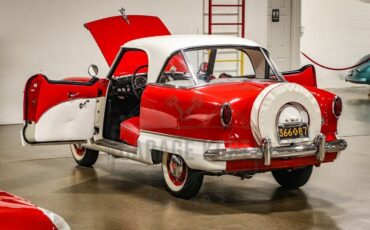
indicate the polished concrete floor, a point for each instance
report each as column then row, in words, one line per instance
column 121, row 194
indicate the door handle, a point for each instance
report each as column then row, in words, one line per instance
column 72, row 94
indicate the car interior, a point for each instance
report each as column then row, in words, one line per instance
column 121, row 120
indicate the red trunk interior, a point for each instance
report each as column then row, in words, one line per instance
column 111, row 33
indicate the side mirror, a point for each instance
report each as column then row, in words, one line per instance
column 93, row 70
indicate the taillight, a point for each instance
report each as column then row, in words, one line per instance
column 226, row 115
column 31, row 94
column 337, row 106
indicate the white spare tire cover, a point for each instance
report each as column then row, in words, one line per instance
column 268, row 103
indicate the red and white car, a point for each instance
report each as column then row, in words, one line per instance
column 196, row 104
column 17, row 213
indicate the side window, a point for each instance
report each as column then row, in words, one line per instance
column 233, row 63
column 258, row 62
column 176, row 72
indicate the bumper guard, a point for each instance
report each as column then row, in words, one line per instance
column 266, row 152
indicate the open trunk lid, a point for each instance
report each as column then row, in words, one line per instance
column 113, row 32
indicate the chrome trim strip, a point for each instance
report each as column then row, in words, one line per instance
column 116, row 149
column 277, row 73
column 116, row 145
column 275, row 152
column 195, row 80
column 298, row 151
column 180, row 137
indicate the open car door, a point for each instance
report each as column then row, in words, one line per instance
column 60, row 111
column 64, row 111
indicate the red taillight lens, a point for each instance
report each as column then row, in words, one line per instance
column 226, row 115
column 337, row 106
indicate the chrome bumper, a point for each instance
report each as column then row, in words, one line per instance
column 319, row 148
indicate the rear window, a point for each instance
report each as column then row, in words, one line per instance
column 216, row 64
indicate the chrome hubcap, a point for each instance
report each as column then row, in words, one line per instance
column 176, row 166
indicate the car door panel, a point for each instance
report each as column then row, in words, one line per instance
column 56, row 111
column 72, row 120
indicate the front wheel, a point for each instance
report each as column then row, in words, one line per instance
column 181, row 181
column 293, row 178
column 83, row 156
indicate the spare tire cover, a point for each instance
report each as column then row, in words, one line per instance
column 268, row 103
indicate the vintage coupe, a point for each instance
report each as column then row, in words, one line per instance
column 196, row 104
column 17, row 213
column 361, row 73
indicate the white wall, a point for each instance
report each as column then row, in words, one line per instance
column 336, row 34
column 43, row 36
column 48, row 37
column 256, row 21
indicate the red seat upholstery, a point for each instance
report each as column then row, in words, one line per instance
column 130, row 130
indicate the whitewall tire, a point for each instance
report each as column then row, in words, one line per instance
column 83, row 156
column 181, row 181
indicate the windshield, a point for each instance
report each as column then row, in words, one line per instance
column 218, row 64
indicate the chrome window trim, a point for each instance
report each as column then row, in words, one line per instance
column 118, row 58
column 195, row 80
column 203, row 85
column 272, row 66
column 267, row 59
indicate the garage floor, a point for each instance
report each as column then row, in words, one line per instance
column 120, row 194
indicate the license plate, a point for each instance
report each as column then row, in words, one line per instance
column 293, row 132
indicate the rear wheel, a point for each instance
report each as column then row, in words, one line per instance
column 293, row 178
column 181, row 181
column 83, row 156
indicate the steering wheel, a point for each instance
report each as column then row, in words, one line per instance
column 138, row 82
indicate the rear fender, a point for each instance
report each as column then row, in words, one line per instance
column 305, row 76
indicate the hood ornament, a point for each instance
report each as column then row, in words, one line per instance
column 124, row 16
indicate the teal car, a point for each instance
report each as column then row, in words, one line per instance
column 361, row 73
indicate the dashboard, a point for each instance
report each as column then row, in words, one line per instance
column 129, row 85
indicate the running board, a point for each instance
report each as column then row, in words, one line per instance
column 116, row 149
column 116, row 145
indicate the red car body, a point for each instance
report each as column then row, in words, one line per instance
column 17, row 213
column 179, row 115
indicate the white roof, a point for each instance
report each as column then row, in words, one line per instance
column 159, row 48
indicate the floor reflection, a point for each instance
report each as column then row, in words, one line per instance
column 218, row 197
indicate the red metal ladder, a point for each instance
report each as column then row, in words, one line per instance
column 240, row 15
column 226, row 17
